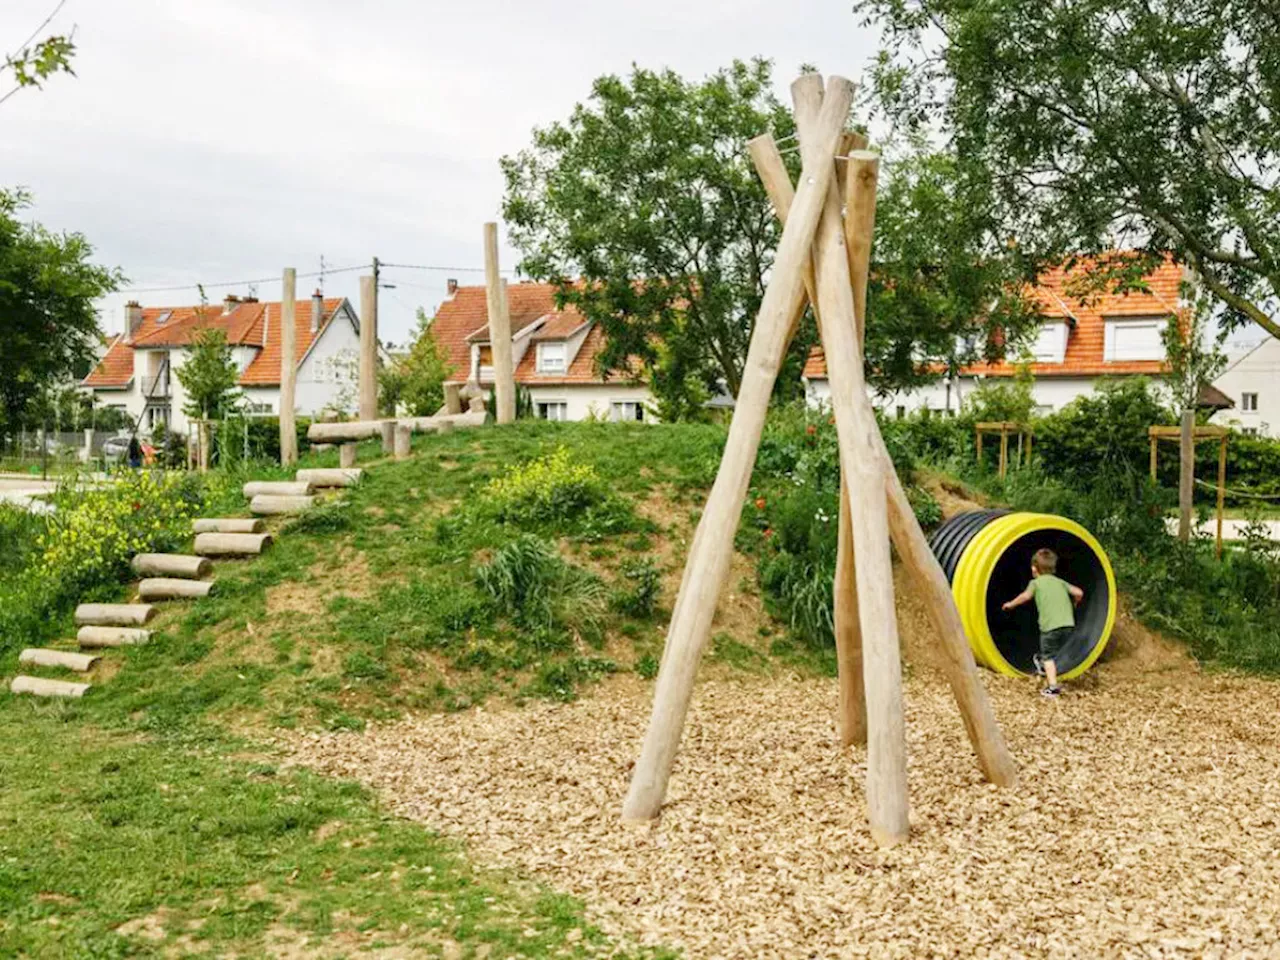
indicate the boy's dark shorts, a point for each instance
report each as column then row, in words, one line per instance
column 1052, row 642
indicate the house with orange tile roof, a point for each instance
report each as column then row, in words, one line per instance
column 1080, row 342
column 138, row 371
column 555, row 352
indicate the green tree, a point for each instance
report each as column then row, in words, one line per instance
column 1004, row 399
column 1195, row 354
column 210, row 377
column 416, row 380
column 38, row 58
column 1103, row 124
column 48, row 325
column 646, row 194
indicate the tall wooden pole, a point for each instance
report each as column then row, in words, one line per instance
column 860, row 463
column 368, row 348
column 1186, row 472
column 1222, row 488
column 977, row 433
column 955, row 655
column 288, row 368
column 504, row 385
column 1154, row 443
column 712, row 548
column 1004, row 451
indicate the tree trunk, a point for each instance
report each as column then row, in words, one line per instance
column 1186, row 473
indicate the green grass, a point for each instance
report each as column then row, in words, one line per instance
column 118, row 844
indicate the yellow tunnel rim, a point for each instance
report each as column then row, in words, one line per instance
column 977, row 564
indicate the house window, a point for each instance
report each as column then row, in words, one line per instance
column 551, row 357
column 1249, row 403
column 1050, row 344
column 258, row 409
column 901, row 412
column 484, row 362
column 628, row 410
column 1250, row 431
column 1134, row 340
column 553, row 410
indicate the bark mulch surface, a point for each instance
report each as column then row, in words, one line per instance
column 1146, row 822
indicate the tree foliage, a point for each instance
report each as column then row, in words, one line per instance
column 210, row 377
column 1195, row 354
column 1101, row 124
column 48, row 326
column 416, row 380
column 38, row 59
column 647, row 195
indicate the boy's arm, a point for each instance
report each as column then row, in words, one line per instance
column 1076, row 593
column 1019, row 600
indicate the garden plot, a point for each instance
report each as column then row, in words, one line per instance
column 1144, row 823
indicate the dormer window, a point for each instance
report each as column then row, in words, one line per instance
column 1140, row 338
column 483, row 354
column 1050, row 345
column 551, row 357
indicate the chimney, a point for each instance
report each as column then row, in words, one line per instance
column 451, row 286
column 317, row 310
column 132, row 318
column 229, row 303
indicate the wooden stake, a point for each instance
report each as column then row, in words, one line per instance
column 368, row 348
column 1154, row 443
column 1030, row 438
column 504, row 385
column 1222, row 488
column 1004, row 452
column 346, row 455
column 1186, row 473
column 913, row 547
column 288, row 368
column 712, row 548
column 977, row 432
column 860, row 463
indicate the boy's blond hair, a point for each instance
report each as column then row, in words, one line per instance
column 1045, row 560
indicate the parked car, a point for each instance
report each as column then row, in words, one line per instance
column 116, row 448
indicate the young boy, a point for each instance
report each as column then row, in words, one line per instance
column 1054, row 599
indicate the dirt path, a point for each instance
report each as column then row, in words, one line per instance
column 1147, row 822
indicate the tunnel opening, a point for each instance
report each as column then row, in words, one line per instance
column 1016, row 632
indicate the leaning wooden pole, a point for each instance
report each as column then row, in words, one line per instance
column 860, row 464
column 288, row 367
column 913, row 547
column 504, row 386
column 712, row 548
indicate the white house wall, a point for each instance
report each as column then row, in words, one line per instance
column 1051, row 394
column 1256, row 372
column 586, row 400
column 329, row 374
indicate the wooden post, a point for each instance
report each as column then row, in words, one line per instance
column 204, row 434
column 403, row 440
column 1030, row 437
column 1222, row 488
column 977, row 433
column 861, row 464
column 368, row 348
column 288, row 368
column 1155, row 442
column 1004, row 451
column 504, row 385
column 707, row 564
column 346, row 455
column 1186, row 472
column 913, row 546
column 388, row 436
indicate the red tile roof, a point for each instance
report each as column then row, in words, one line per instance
column 246, row 324
column 461, row 321
column 1085, row 346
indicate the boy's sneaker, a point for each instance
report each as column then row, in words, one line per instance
column 1051, row 692
column 1037, row 662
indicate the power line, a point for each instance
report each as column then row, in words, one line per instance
column 242, row 283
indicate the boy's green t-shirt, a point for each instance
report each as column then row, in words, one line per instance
column 1053, row 602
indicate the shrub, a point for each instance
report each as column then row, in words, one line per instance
column 1105, row 432
column 553, row 490
column 638, row 595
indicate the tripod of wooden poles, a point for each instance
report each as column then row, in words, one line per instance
column 823, row 259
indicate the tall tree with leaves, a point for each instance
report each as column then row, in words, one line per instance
column 210, row 377
column 38, row 57
column 48, row 327
column 416, row 380
column 1100, row 124
column 647, row 195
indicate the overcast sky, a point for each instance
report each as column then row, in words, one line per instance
column 207, row 141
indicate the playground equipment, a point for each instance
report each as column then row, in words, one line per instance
column 986, row 554
column 823, row 258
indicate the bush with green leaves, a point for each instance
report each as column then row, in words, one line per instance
column 641, row 584
column 529, row 582
column 553, row 493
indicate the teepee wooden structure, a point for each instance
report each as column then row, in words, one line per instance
column 823, row 258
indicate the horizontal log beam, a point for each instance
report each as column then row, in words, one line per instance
column 232, row 544
column 228, row 525
column 171, row 565
column 114, row 614
column 170, row 588
column 94, row 638
column 40, row 687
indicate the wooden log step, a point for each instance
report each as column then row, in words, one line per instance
column 278, row 488
column 231, row 544
column 100, row 638
column 228, row 525
column 330, row 477
column 40, row 657
column 114, row 614
column 347, row 432
column 40, row 687
column 171, row 565
column 172, row 588
column 267, row 505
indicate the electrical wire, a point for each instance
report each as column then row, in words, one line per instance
column 315, row 273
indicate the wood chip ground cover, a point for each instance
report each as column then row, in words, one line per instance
column 1146, row 822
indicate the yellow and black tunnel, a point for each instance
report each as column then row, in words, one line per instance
column 986, row 555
